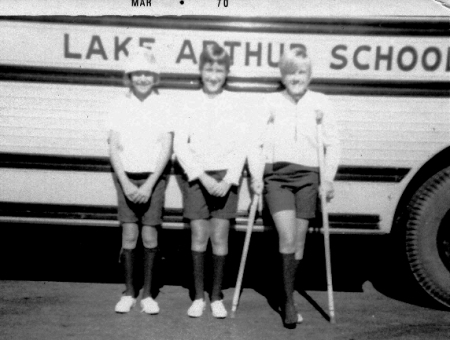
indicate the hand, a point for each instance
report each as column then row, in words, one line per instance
column 210, row 184
column 144, row 193
column 257, row 186
column 328, row 190
column 319, row 116
column 224, row 187
column 130, row 190
column 119, row 145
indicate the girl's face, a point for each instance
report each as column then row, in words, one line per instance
column 213, row 77
column 142, row 82
column 297, row 81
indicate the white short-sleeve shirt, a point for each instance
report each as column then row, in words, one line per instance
column 211, row 134
column 291, row 134
column 140, row 124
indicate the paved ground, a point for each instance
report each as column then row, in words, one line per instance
column 59, row 283
column 64, row 310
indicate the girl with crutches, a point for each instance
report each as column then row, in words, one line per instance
column 291, row 174
column 140, row 145
column 210, row 145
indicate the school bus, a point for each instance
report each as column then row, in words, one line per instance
column 388, row 77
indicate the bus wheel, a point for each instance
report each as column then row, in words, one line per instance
column 428, row 236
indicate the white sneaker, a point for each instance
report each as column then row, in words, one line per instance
column 125, row 304
column 197, row 308
column 218, row 309
column 149, row 306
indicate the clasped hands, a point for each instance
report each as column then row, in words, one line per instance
column 138, row 194
column 213, row 186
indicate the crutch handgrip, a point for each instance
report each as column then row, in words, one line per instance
column 319, row 117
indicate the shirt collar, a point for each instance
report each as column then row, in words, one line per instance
column 288, row 97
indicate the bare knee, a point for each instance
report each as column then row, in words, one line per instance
column 130, row 233
column 219, row 236
column 219, row 244
column 149, row 242
column 285, row 224
column 302, row 230
column 199, row 239
column 149, row 237
column 287, row 244
column 219, row 240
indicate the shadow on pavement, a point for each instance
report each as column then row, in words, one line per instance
column 90, row 254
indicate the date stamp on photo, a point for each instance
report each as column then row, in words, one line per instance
column 148, row 3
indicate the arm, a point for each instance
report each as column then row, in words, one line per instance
column 332, row 145
column 129, row 189
column 239, row 154
column 255, row 154
column 212, row 185
column 145, row 190
column 252, row 125
column 188, row 162
column 230, row 179
column 184, row 154
column 332, row 148
column 256, row 166
column 233, row 173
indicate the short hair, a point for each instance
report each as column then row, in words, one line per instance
column 292, row 59
column 214, row 53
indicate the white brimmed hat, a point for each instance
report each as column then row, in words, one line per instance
column 141, row 59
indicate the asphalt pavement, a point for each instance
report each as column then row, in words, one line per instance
column 68, row 310
column 60, row 283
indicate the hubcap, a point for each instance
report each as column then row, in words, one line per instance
column 443, row 240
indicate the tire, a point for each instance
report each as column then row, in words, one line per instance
column 428, row 236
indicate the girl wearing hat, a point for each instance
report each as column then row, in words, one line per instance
column 140, row 143
column 291, row 173
column 209, row 145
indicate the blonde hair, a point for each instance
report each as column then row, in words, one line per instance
column 292, row 59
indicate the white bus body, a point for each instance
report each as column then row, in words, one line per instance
column 387, row 77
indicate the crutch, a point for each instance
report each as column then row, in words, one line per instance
column 326, row 225
column 248, row 234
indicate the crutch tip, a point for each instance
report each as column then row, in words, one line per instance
column 333, row 320
column 232, row 314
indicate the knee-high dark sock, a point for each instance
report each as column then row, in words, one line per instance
column 198, row 265
column 297, row 270
column 289, row 266
column 149, row 259
column 218, row 271
column 128, row 260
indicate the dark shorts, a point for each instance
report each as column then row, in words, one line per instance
column 149, row 213
column 199, row 204
column 290, row 186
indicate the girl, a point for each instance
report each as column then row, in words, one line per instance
column 291, row 173
column 140, row 144
column 209, row 147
